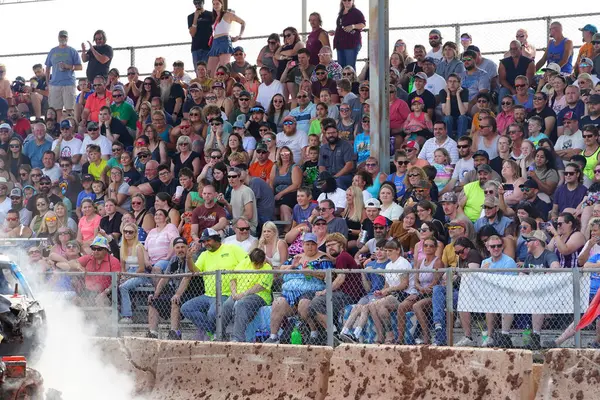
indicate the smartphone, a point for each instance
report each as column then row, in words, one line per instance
column 508, row 186
column 531, row 168
column 585, row 92
column 292, row 63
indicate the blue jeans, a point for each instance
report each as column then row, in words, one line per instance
column 126, row 287
column 344, row 182
column 462, row 123
column 439, row 310
column 347, row 57
column 199, row 55
column 202, row 311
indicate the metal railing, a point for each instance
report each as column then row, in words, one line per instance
column 523, row 295
column 492, row 37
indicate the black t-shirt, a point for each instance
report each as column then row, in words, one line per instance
column 176, row 93
column 546, row 112
column 428, row 99
column 95, row 67
column 158, row 186
column 41, row 83
column 203, row 31
column 117, row 128
column 587, row 120
column 112, row 226
column 464, row 97
column 255, row 126
column 132, row 177
column 189, row 103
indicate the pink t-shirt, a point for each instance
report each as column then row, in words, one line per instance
column 158, row 244
column 88, row 229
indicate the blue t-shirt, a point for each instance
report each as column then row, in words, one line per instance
column 594, row 277
column 536, row 139
column 35, row 152
column 399, row 182
column 362, row 147
column 67, row 55
column 84, row 195
column 504, row 262
column 528, row 104
column 299, row 215
column 303, row 117
column 377, row 281
column 579, row 111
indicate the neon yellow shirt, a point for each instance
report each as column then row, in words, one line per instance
column 96, row 170
column 247, row 281
column 225, row 259
column 475, row 198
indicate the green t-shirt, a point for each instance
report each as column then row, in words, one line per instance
column 247, row 281
column 125, row 112
column 315, row 128
column 226, row 258
column 475, row 198
column 96, row 170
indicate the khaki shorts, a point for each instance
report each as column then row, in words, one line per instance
column 61, row 97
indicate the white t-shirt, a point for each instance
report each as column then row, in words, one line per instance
column 434, row 84
column 266, row 93
column 436, row 55
column 462, row 168
column 296, row 143
column 366, row 196
column 393, row 212
column 395, row 279
column 247, row 244
column 70, row 148
column 566, row 142
column 102, row 141
column 338, row 197
column 53, row 173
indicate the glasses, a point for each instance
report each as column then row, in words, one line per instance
column 233, row 176
column 506, row 103
column 194, row 114
column 31, row 252
column 423, row 230
column 143, row 155
column 324, row 223
column 571, row 173
column 247, row 99
column 459, row 252
column 287, row 35
column 215, row 157
column 484, row 126
column 50, row 219
column 488, row 207
column 219, row 74
column 136, row 203
column 238, row 54
column 67, row 165
column 402, row 162
column 320, row 73
column 559, row 224
column 96, row 248
column 215, row 124
column 64, row 233
column 523, row 227
column 244, row 229
column 35, row 175
column 128, row 232
column 184, row 127
column 463, row 146
column 429, row 245
column 525, row 189
column 72, row 246
column 324, row 209
column 413, row 175
column 92, row 129
column 513, row 131
column 147, row 84
column 538, row 99
column 520, row 36
column 288, row 123
column 117, row 95
column 521, row 85
column 420, row 191
column 466, row 59
column 371, row 165
column 347, row 73
column 302, row 96
column 157, row 64
column 597, row 171
column 164, row 78
column 489, row 192
column 587, row 136
column 434, row 37
column 163, row 173
column 97, row 84
column 495, row 246
column 115, row 149
column 130, row 73
column 344, row 109
column 364, row 89
column 272, row 42
column 12, row 219
column 483, row 101
column 14, row 146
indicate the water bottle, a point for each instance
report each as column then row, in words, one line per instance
column 296, row 336
column 527, row 336
column 362, row 237
column 484, row 335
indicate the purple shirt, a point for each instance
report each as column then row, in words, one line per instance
column 344, row 40
column 569, row 199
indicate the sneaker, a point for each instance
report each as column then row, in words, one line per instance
column 535, row 342
column 594, row 345
column 151, row 335
column 272, row 340
column 125, row 320
column 320, row 340
column 465, row 342
column 349, row 338
column 487, row 342
column 419, row 341
column 174, row 335
column 504, row 340
column 549, row 344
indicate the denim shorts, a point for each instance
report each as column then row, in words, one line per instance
column 221, row 45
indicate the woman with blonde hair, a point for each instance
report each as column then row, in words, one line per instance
column 118, row 189
column 133, row 260
column 413, row 176
column 354, row 214
column 276, row 249
column 48, row 227
column 145, row 109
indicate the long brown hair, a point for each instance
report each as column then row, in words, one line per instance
column 218, row 17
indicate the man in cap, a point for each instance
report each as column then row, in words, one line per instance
column 322, row 81
column 257, row 126
column 242, row 237
column 530, row 191
column 587, row 49
column 305, row 111
column 487, row 65
column 440, row 139
column 435, row 83
column 492, row 216
column 261, row 167
column 16, row 198
column 172, row 95
column 100, row 98
column 6, row 134
column 435, row 41
column 574, row 105
column 570, row 142
column 171, row 293
column 268, row 88
column 337, row 155
column 218, row 132
column 412, row 148
column 471, row 199
column 538, row 257
column 201, row 310
column 380, row 231
column 420, row 90
column 243, row 108
column 452, row 212
column 480, row 157
column 61, row 63
column 586, row 66
column 93, row 136
column 559, row 50
column 196, row 99
column 295, row 139
column 474, row 79
column 593, row 115
column 550, row 72
column 34, row 149
column 67, row 145
column 239, row 64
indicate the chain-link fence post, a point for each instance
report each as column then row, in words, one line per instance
column 132, row 56
column 329, row 303
column 457, row 35
column 449, row 307
column 218, row 306
column 576, row 274
column 114, row 317
column 548, row 23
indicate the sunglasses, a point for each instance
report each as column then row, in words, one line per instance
column 495, row 246
column 72, row 246
column 513, row 131
column 117, row 95
column 320, row 224
column 63, row 233
column 522, row 85
column 459, row 252
column 147, row 83
column 271, row 42
column 35, row 175
column 130, row 73
column 137, row 203
column 96, row 248
column 506, row 103
column 194, row 115
column 233, row 176
column 143, row 155
column 244, row 229
column 587, row 136
column 219, row 74
column 128, row 232
column 463, row 146
column 14, row 146
column 164, row 78
column 538, row 98
column 371, row 165
column 488, row 192
column 215, row 124
column 33, row 252
column 413, row 175
column 320, row 73
column 97, row 84
column 12, row 219
column 483, row 101
column 488, row 207
column 114, row 150
column 288, row 123
column 158, row 64
column 302, row 96
column 467, row 59
column 287, row 35
column 244, row 99
column 571, row 173
column 92, row 129
column 402, row 162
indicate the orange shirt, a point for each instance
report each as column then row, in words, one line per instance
column 94, row 104
column 587, row 50
column 261, row 171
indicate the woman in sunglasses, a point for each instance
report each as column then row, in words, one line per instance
column 48, row 227
column 221, row 47
column 61, row 239
column 133, row 260
column 413, row 177
column 24, row 171
column 143, row 115
column 288, row 52
column 149, row 91
column 266, row 55
column 42, row 205
column 142, row 218
column 277, row 111
column 16, row 158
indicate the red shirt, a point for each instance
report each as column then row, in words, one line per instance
column 352, row 285
column 22, row 127
column 99, row 283
column 398, row 113
column 95, row 103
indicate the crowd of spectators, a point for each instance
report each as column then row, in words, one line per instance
column 269, row 166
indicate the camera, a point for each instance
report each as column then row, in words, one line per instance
column 18, row 85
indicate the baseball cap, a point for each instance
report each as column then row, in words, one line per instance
column 422, row 184
column 529, row 183
column 590, row 28
column 92, row 126
column 552, row 67
column 417, row 99
column 380, row 220
column 364, row 84
column 596, row 37
column 289, row 118
column 16, row 192
column 245, row 93
column 457, row 222
column 45, row 178
column 373, row 203
column 449, row 197
column 587, row 61
column 257, row 109
column 490, row 202
column 238, row 48
column 87, row 177
column 436, row 31
column 195, row 85
column 395, row 70
column 100, row 241
column 421, row 75
column 5, row 126
column 63, row 33
column 65, row 124
column 485, row 168
column 317, row 219
column 217, row 119
column 239, row 124
column 179, row 240
column 594, row 99
column 466, row 35
column 166, row 74
column 537, row 235
column 261, row 147
column 474, row 48
column 481, row 153
column 411, row 144
column 429, row 60
column 469, row 53
column 320, row 67
column 218, row 85
column 570, row 116
column 209, row 233
column 310, row 237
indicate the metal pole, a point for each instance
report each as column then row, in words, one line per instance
column 379, row 82
column 219, row 321
column 548, row 23
column 304, row 19
column 114, row 303
column 329, row 303
column 577, row 304
column 449, row 307
column 132, row 56
column 457, row 35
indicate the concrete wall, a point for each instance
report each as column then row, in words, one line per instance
column 570, row 374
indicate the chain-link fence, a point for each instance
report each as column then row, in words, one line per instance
column 322, row 306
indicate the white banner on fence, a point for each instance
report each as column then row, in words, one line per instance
column 550, row 293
